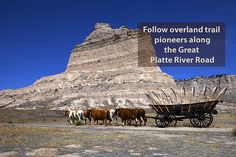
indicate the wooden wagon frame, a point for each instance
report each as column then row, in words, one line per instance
column 199, row 113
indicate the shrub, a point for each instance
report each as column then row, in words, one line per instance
column 234, row 132
column 79, row 123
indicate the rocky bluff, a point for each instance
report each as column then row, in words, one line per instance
column 102, row 71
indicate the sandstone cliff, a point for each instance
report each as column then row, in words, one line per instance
column 102, row 71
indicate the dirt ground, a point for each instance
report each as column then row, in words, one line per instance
column 48, row 133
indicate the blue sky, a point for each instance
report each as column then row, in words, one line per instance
column 37, row 36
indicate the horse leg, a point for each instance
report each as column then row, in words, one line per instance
column 123, row 122
column 145, row 121
column 129, row 121
column 71, row 122
column 136, row 122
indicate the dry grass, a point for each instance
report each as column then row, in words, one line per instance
column 31, row 116
column 30, row 137
column 11, row 136
column 78, row 123
column 224, row 121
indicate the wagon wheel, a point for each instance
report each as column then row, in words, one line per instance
column 172, row 121
column 203, row 120
column 192, row 122
column 162, row 120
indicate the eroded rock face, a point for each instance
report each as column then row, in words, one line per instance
column 111, row 49
column 102, row 71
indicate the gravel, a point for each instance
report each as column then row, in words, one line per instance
column 99, row 140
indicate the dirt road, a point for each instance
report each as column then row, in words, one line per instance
column 95, row 140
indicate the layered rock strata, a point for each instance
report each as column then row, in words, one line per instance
column 102, row 71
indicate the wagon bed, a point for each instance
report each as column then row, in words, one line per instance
column 199, row 113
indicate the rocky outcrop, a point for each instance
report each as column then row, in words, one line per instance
column 110, row 49
column 102, row 71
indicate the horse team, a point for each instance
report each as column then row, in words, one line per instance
column 127, row 115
